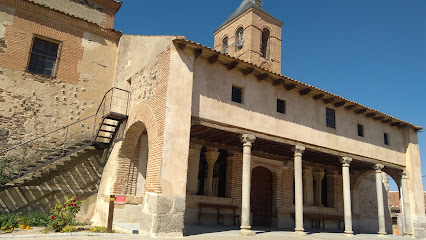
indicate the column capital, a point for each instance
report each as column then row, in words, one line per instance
column 346, row 161
column 319, row 176
column 298, row 149
column 378, row 167
column 405, row 175
column 211, row 156
column 247, row 139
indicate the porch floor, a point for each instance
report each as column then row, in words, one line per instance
column 202, row 231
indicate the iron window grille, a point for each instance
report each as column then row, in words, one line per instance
column 386, row 139
column 330, row 118
column 237, row 94
column 43, row 57
column 281, row 106
column 360, row 130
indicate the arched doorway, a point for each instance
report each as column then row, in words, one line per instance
column 261, row 196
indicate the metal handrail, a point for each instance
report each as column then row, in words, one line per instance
column 69, row 125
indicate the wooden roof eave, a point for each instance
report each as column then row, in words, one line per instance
column 242, row 65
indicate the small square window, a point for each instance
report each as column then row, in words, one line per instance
column 281, row 106
column 360, row 130
column 386, row 139
column 237, row 94
column 43, row 57
column 330, row 118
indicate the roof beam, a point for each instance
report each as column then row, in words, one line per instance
column 369, row 115
column 198, row 52
column 350, row 107
column 340, row 104
column 360, row 111
column 328, row 100
column 290, row 86
column 247, row 71
column 319, row 96
column 278, row 81
column 386, row 120
column 231, row 65
column 305, row 91
column 181, row 45
column 379, row 118
column 262, row 76
column 213, row 58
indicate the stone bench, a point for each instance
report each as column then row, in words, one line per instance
column 203, row 210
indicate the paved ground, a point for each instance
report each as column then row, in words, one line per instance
column 209, row 233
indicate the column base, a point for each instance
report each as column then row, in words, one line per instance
column 299, row 231
column 246, row 231
column 382, row 234
column 349, row 234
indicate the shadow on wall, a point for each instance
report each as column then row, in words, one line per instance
column 78, row 176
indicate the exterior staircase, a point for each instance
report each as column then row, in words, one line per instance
column 47, row 153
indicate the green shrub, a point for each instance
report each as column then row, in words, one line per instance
column 63, row 214
column 98, row 229
column 8, row 221
column 38, row 219
column 68, row 228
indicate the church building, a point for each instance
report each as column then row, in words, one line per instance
column 182, row 134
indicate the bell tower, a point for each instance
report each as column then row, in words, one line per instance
column 252, row 35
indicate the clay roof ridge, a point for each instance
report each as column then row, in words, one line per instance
column 417, row 128
column 71, row 15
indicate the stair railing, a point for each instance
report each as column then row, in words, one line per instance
column 49, row 147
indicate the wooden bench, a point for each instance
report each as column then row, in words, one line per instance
column 220, row 214
column 317, row 220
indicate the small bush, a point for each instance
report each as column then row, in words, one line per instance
column 63, row 214
column 8, row 222
column 38, row 219
column 98, row 229
column 68, row 228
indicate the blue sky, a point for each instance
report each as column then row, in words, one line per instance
column 369, row 51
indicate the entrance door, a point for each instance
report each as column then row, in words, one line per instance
column 261, row 196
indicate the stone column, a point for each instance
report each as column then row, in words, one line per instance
column 318, row 176
column 298, row 189
column 406, row 204
column 193, row 167
column 379, row 190
column 308, row 187
column 247, row 141
column 211, row 158
column 346, row 161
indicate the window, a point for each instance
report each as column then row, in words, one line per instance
column 386, row 139
column 330, row 118
column 264, row 44
column 360, row 130
column 43, row 57
column 280, row 106
column 225, row 45
column 237, row 94
column 239, row 39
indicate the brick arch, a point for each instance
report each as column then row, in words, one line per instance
column 357, row 181
column 141, row 119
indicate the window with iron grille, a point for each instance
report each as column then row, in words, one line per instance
column 360, row 130
column 237, row 94
column 330, row 118
column 386, row 138
column 281, row 106
column 43, row 57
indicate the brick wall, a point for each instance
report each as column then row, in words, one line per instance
column 147, row 108
column 19, row 37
